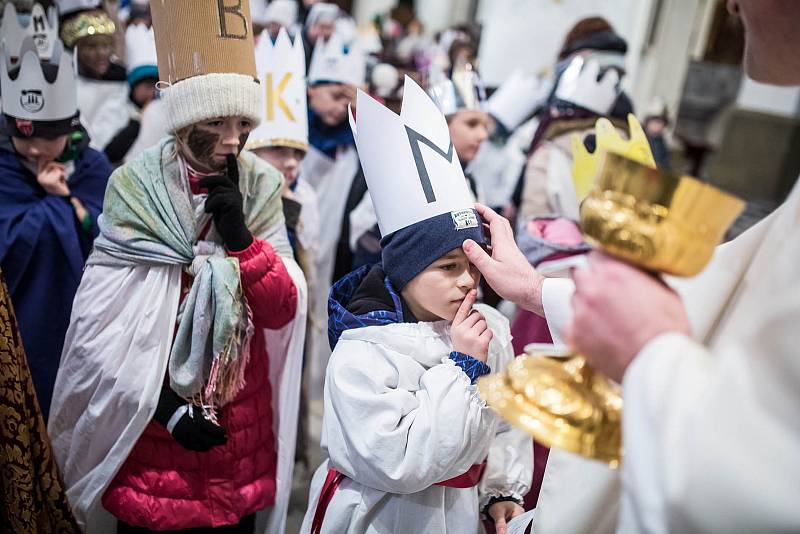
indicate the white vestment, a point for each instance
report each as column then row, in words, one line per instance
column 104, row 109
column 331, row 179
column 400, row 416
column 711, row 430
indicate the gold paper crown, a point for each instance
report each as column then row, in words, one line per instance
column 584, row 167
column 197, row 37
column 95, row 22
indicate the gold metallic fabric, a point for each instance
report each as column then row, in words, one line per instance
column 32, row 493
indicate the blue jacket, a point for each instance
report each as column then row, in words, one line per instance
column 42, row 252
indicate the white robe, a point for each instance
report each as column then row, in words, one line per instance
column 117, row 347
column 331, row 179
column 104, row 109
column 711, row 429
column 401, row 416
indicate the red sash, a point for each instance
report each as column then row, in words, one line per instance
column 465, row 480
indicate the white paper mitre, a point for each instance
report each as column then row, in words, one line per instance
column 338, row 61
column 30, row 96
column 65, row 7
column 517, row 98
column 42, row 28
column 579, row 85
column 409, row 161
column 140, row 47
column 281, row 70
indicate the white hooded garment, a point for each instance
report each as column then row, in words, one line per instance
column 399, row 417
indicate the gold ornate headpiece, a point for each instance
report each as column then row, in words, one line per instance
column 95, row 22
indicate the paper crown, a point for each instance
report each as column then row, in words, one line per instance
column 86, row 24
column 206, row 58
column 140, row 53
column 43, row 29
column 284, row 12
column 29, row 95
column 410, row 165
column 337, row 61
column 196, row 37
column 517, row 98
column 281, row 71
column 584, row 167
column 582, row 85
column 462, row 91
column 66, row 7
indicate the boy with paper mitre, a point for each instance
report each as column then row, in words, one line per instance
column 181, row 363
column 411, row 446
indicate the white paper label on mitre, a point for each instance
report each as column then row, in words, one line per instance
column 409, row 162
column 464, row 219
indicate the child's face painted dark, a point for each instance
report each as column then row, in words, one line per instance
column 206, row 144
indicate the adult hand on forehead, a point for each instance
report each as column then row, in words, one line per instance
column 506, row 270
column 225, row 204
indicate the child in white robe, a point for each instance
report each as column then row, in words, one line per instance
column 411, row 446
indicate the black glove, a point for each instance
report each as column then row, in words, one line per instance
column 193, row 431
column 225, row 202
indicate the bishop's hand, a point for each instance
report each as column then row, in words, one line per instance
column 225, row 204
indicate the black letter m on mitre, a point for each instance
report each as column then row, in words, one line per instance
column 414, row 139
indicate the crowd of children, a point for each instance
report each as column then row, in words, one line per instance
column 214, row 215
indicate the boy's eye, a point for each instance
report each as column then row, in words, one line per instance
column 246, row 124
column 214, row 123
column 448, row 266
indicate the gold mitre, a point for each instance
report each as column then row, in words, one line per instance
column 585, row 163
column 196, row 37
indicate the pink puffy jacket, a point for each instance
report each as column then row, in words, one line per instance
column 162, row 486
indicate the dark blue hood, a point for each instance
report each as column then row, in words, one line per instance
column 365, row 297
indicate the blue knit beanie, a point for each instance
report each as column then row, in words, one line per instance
column 410, row 250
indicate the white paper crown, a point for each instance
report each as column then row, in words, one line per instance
column 65, row 7
column 281, row 71
column 409, row 161
column 517, row 98
column 462, row 91
column 43, row 29
column 140, row 47
column 337, row 61
column 30, row 96
column 582, row 85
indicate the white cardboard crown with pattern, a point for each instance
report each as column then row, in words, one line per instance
column 582, row 85
column 517, row 98
column 29, row 95
column 65, row 7
column 140, row 47
column 281, row 70
column 337, row 61
column 409, row 162
column 42, row 28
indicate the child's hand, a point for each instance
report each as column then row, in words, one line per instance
column 502, row 512
column 53, row 178
column 470, row 333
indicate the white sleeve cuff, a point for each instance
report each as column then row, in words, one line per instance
column 556, row 301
